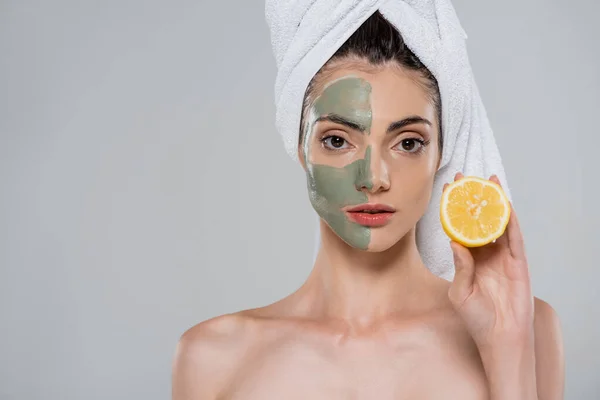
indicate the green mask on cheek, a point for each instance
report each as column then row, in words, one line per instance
column 331, row 188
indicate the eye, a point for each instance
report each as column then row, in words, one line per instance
column 334, row 142
column 411, row 145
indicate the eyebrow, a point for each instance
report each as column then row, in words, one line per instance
column 413, row 119
column 338, row 119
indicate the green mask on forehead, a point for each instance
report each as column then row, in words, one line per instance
column 331, row 188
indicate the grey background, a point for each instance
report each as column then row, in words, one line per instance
column 144, row 187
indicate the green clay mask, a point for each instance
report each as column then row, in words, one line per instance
column 332, row 188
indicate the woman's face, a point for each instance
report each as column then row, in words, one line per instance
column 370, row 138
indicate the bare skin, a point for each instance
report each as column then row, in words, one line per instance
column 375, row 323
column 259, row 355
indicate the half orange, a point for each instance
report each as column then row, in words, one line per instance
column 474, row 211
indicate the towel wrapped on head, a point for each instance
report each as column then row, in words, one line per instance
column 306, row 33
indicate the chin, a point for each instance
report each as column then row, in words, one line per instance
column 383, row 239
column 379, row 246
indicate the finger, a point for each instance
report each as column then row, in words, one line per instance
column 445, row 186
column 494, row 178
column 458, row 176
column 515, row 236
column 502, row 241
column 464, row 266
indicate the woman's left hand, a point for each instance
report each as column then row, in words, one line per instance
column 491, row 290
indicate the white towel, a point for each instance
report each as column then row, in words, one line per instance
column 306, row 33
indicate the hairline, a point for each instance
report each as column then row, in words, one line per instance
column 320, row 79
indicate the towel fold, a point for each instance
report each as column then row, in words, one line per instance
column 306, row 33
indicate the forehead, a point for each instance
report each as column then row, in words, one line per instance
column 343, row 93
column 392, row 92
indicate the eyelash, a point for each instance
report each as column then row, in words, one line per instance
column 331, row 148
column 422, row 144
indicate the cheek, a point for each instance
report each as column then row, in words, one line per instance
column 330, row 189
column 412, row 180
column 318, row 155
column 333, row 187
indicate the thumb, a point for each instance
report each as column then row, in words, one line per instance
column 464, row 265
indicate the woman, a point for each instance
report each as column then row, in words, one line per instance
column 372, row 321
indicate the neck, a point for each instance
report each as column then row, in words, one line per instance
column 363, row 287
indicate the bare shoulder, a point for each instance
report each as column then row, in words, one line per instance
column 549, row 352
column 546, row 324
column 208, row 354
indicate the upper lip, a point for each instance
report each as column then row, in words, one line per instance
column 371, row 207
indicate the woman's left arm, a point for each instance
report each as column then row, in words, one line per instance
column 519, row 339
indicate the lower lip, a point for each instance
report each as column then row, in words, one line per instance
column 367, row 219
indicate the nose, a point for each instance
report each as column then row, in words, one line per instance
column 373, row 173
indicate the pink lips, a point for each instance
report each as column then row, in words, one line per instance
column 371, row 215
